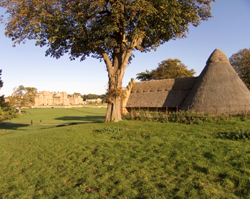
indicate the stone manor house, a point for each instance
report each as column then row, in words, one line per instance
column 53, row 98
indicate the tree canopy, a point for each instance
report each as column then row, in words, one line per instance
column 170, row 68
column 23, row 96
column 105, row 29
column 144, row 76
column 241, row 63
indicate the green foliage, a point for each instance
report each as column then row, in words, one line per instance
column 241, row 63
column 238, row 135
column 107, row 30
column 90, row 96
column 110, row 130
column 144, row 76
column 171, row 68
column 187, row 117
column 85, row 27
column 6, row 112
column 104, row 97
column 22, row 97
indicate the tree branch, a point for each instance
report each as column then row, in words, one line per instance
column 107, row 62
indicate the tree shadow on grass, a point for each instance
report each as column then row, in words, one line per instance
column 81, row 120
column 11, row 126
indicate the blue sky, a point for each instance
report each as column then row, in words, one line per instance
column 27, row 65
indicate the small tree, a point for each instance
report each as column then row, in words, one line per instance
column 23, row 96
column 171, row 68
column 144, row 76
column 6, row 112
column 241, row 63
column 109, row 30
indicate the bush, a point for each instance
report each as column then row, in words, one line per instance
column 110, row 130
column 238, row 135
column 7, row 113
column 187, row 117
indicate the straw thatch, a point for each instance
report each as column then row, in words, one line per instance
column 218, row 89
column 160, row 93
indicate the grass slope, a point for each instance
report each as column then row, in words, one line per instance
column 129, row 159
column 61, row 115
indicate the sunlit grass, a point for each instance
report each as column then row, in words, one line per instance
column 130, row 159
column 61, row 115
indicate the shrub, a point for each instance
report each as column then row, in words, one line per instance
column 7, row 113
column 238, row 135
column 187, row 117
column 110, row 130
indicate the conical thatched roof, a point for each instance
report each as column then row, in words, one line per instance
column 218, row 88
column 160, row 93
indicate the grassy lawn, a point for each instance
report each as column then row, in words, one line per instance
column 129, row 159
column 61, row 115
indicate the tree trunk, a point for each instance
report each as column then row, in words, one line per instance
column 116, row 72
column 114, row 110
column 19, row 110
column 116, row 69
column 114, row 105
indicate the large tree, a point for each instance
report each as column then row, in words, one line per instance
column 241, row 63
column 104, row 29
column 22, row 97
column 170, row 68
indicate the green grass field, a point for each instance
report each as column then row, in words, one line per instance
column 61, row 115
column 129, row 159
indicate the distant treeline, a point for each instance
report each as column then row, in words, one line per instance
column 93, row 96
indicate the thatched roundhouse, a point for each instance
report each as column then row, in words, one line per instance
column 217, row 90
